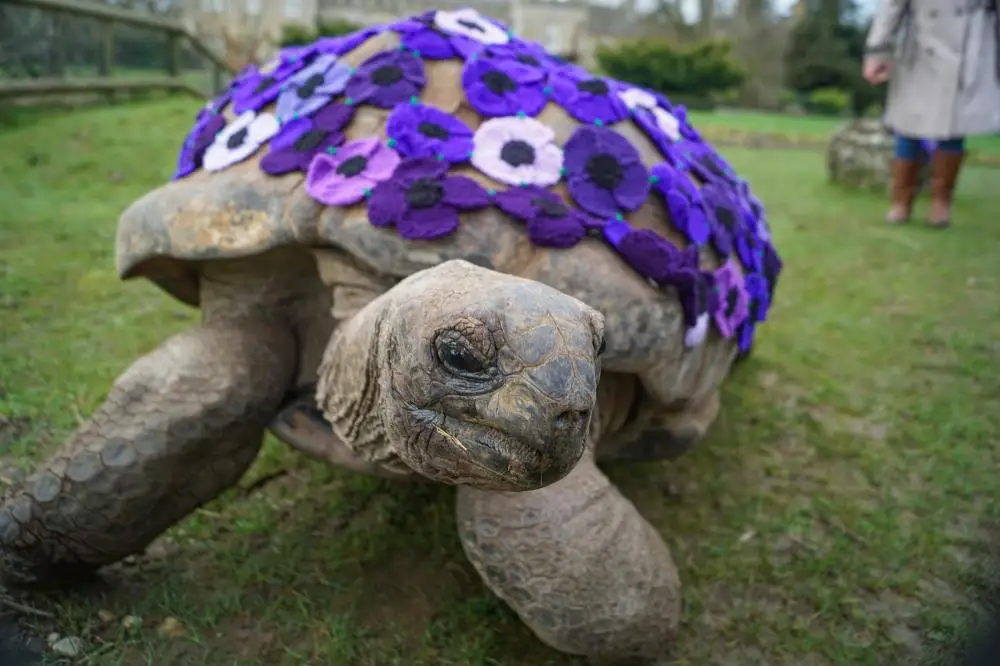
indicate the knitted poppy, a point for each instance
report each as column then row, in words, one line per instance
column 604, row 172
column 299, row 140
column 550, row 222
column 517, row 151
column 351, row 173
column 418, row 130
column 386, row 79
column 239, row 140
column 503, row 87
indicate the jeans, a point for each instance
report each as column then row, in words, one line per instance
column 908, row 148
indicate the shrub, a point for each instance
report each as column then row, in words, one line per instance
column 829, row 101
column 294, row 34
column 689, row 75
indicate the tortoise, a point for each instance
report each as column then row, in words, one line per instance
column 459, row 259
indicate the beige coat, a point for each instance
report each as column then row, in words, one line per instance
column 945, row 81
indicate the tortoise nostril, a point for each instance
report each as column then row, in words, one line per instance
column 571, row 420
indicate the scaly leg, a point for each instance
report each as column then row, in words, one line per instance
column 181, row 425
column 578, row 563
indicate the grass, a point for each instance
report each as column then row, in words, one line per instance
column 805, row 129
column 839, row 513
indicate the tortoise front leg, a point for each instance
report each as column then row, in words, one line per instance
column 578, row 563
column 181, row 425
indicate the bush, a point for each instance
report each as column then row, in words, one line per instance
column 828, row 101
column 690, row 74
column 297, row 35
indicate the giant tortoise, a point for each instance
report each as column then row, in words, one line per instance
column 429, row 250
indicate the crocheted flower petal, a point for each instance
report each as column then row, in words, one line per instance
column 548, row 165
column 595, row 200
column 695, row 335
column 336, row 79
column 289, row 133
column 382, row 162
column 326, row 185
column 464, row 193
column 281, row 162
column 516, row 202
column 563, row 232
column 428, row 223
column 469, row 23
column 333, row 117
column 650, row 254
column 263, row 127
column 634, row 187
column 386, row 204
column 429, row 43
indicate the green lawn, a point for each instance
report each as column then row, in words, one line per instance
column 803, row 128
column 839, row 512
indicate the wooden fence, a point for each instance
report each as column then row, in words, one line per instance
column 106, row 82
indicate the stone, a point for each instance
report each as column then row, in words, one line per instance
column 859, row 156
column 70, row 646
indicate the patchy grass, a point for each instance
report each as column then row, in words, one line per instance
column 839, row 513
column 805, row 130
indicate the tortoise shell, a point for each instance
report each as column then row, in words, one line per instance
column 443, row 136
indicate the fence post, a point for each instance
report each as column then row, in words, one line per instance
column 106, row 60
column 173, row 54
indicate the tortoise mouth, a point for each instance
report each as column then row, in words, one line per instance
column 488, row 458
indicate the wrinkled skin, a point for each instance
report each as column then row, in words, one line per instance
column 481, row 379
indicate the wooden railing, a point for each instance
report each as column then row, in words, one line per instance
column 106, row 82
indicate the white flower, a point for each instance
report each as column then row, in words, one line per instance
column 469, row 23
column 695, row 335
column 637, row 98
column 517, row 151
column 239, row 140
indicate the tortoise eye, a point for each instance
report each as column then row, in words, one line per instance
column 458, row 356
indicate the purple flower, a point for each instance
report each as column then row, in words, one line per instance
column 656, row 259
column 772, row 267
column 725, row 215
column 417, row 130
column 732, row 304
column 683, row 202
column 604, row 172
column 312, row 88
column 207, row 125
column 528, row 54
column 422, row 201
column 421, row 34
column 551, row 223
column 257, row 88
column 707, row 164
column 503, row 87
column 351, row 173
column 299, row 140
column 387, row 79
column 517, row 151
column 240, row 139
column 588, row 98
column 341, row 44
column 759, row 303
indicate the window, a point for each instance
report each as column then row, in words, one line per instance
column 253, row 7
column 293, row 8
column 214, row 6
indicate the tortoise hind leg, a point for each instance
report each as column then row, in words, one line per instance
column 181, row 425
column 578, row 563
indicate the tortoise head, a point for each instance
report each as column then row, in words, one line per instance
column 478, row 378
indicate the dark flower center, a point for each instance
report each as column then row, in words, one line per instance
column 709, row 162
column 471, row 25
column 550, row 208
column 526, row 59
column 433, row 130
column 498, row 82
column 517, row 153
column 725, row 217
column 732, row 297
column 593, row 86
column 424, row 193
column 352, row 166
column 386, row 75
column 237, row 139
column 604, row 170
column 309, row 141
column 263, row 85
column 307, row 89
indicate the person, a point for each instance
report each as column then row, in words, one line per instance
column 944, row 85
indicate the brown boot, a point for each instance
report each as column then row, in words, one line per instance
column 904, row 190
column 945, row 167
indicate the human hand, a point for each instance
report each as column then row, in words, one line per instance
column 876, row 70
